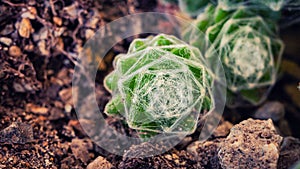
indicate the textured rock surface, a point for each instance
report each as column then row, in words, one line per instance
column 223, row 129
column 289, row 152
column 100, row 162
column 276, row 111
column 205, row 153
column 16, row 133
column 171, row 159
column 251, row 144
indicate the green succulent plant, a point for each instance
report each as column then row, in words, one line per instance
column 161, row 85
column 247, row 45
column 266, row 7
column 192, row 7
column 274, row 5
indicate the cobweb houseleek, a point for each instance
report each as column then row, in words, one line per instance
column 246, row 43
column 160, row 86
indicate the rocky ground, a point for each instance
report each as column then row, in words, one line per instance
column 39, row 43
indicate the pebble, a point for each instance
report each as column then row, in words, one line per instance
column 273, row 110
column 100, row 162
column 6, row 41
column 57, row 20
column 79, row 149
column 289, row 152
column 17, row 133
column 25, row 28
column 42, row 48
column 30, row 107
column 15, row 51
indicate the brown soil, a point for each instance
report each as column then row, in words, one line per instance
column 38, row 125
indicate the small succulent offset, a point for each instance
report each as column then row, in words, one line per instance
column 247, row 45
column 160, row 86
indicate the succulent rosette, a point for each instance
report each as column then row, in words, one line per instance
column 247, row 45
column 161, row 85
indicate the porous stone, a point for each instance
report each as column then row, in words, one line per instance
column 100, row 162
column 251, row 144
column 205, row 153
column 170, row 159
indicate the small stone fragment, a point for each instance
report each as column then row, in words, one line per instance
column 68, row 131
column 289, row 152
column 72, row 10
column 30, row 107
column 273, row 110
column 15, row 51
column 25, row 28
column 32, row 10
column 16, row 133
column 89, row 33
column 42, row 48
column 29, row 48
column 223, row 129
column 205, row 153
column 43, row 34
column 28, row 14
column 6, row 41
column 251, row 144
column 18, row 87
column 66, row 96
column 79, row 149
column 57, row 20
column 56, row 113
column 100, row 162
column 170, row 159
column 8, row 29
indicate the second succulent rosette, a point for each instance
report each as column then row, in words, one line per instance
column 247, row 45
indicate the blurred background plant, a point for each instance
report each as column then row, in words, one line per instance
column 247, row 42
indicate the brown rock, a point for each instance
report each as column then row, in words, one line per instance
column 16, row 133
column 205, row 153
column 66, row 95
column 251, row 144
column 80, row 150
column 273, row 110
column 100, row 162
column 57, row 20
column 43, row 47
column 223, row 129
column 172, row 159
column 56, row 113
column 5, row 40
column 30, row 107
column 15, row 51
column 25, row 28
column 289, row 152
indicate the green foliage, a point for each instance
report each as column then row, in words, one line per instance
column 160, row 86
column 270, row 8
